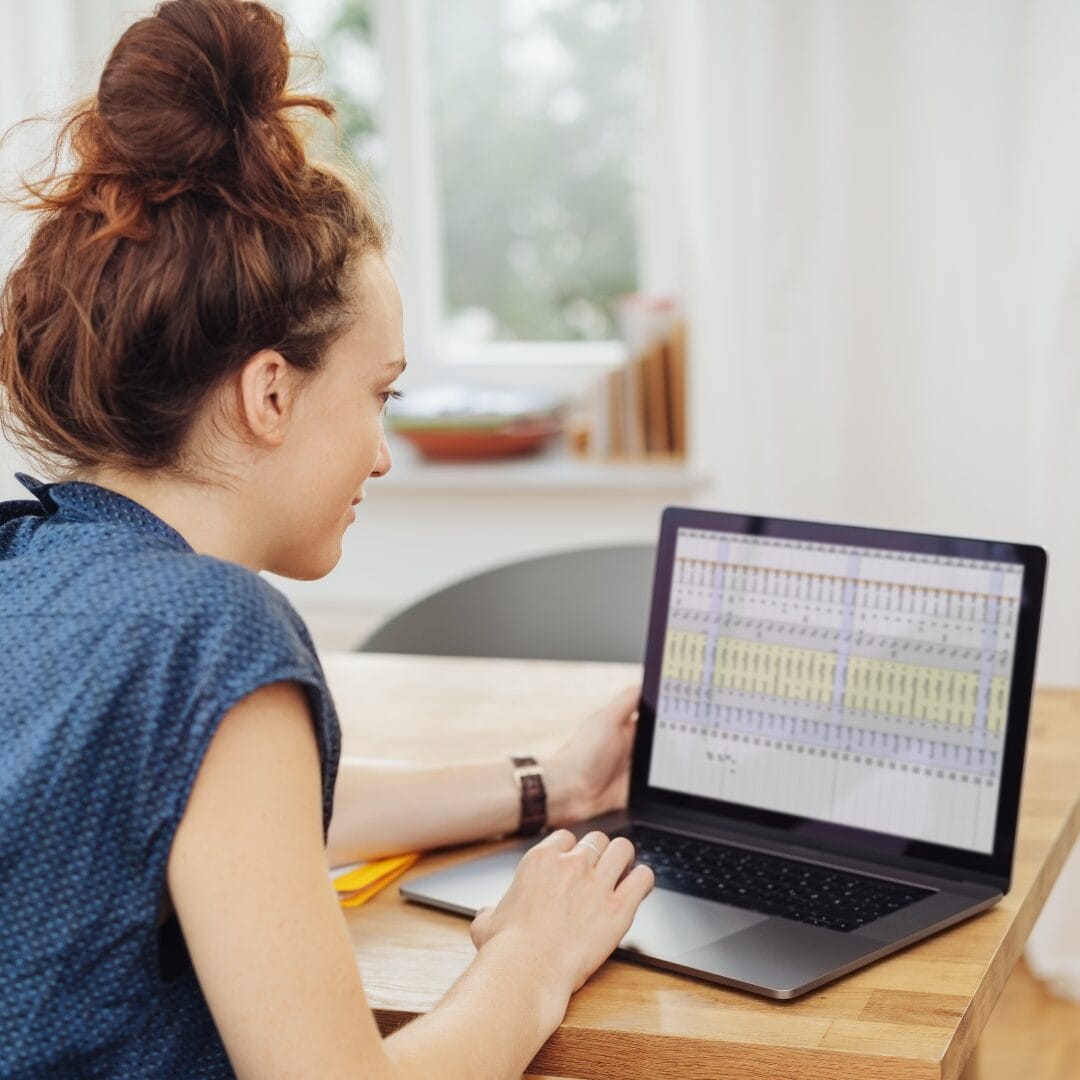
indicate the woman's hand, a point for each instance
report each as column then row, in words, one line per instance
column 590, row 773
column 569, row 905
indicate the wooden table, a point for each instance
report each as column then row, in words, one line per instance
column 916, row 1014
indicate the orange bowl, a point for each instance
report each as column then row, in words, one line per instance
column 458, row 444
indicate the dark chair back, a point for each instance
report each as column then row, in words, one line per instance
column 589, row 604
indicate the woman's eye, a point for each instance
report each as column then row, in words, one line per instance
column 387, row 395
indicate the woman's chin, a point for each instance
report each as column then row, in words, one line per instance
column 309, row 565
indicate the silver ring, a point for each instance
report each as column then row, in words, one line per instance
column 590, row 844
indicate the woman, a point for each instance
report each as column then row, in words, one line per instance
column 202, row 334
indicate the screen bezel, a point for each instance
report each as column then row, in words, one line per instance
column 814, row 832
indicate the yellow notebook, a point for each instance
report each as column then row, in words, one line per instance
column 358, row 883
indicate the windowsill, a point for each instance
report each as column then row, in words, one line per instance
column 552, row 470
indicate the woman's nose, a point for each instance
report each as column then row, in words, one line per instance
column 384, row 461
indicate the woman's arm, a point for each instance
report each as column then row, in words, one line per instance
column 247, row 876
column 385, row 808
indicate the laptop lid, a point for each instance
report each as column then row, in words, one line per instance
column 857, row 690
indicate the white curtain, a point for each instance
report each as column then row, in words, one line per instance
column 873, row 209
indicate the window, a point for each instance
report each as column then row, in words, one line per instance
column 343, row 32
column 506, row 136
column 534, row 109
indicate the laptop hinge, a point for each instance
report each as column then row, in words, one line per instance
column 709, row 825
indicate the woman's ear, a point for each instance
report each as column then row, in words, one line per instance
column 266, row 394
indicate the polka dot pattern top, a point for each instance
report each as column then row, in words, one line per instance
column 121, row 650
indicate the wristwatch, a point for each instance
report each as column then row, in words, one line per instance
column 529, row 777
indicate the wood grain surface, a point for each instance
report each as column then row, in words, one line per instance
column 916, row 1014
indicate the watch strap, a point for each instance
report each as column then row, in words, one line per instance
column 529, row 776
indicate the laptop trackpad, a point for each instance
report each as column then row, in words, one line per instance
column 669, row 923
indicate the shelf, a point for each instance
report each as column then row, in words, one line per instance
column 553, row 470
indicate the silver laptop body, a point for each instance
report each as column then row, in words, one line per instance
column 844, row 712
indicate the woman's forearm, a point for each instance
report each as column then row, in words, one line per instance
column 385, row 808
column 388, row 808
column 489, row 1026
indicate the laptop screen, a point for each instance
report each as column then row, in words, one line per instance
column 860, row 686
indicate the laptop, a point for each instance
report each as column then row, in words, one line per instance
column 829, row 749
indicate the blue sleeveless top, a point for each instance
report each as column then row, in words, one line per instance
column 120, row 652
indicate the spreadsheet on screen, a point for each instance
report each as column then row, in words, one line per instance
column 854, row 685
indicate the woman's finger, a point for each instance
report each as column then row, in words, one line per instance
column 594, row 844
column 560, row 839
column 480, row 927
column 617, row 857
column 626, row 701
column 636, row 885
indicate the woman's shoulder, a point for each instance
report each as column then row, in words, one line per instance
column 185, row 625
column 176, row 585
column 91, row 556
column 147, row 653
column 219, row 614
column 161, row 595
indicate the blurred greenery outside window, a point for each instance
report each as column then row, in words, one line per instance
column 533, row 110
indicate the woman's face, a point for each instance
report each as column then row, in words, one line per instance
column 335, row 440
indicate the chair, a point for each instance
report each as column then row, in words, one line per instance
column 589, row 604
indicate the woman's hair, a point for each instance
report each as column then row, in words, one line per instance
column 190, row 232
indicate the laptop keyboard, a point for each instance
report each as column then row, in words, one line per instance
column 769, row 884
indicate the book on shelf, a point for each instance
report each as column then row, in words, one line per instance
column 638, row 410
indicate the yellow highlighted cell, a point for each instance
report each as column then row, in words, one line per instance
column 871, row 684
column 684, row 655
column 777, row 670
